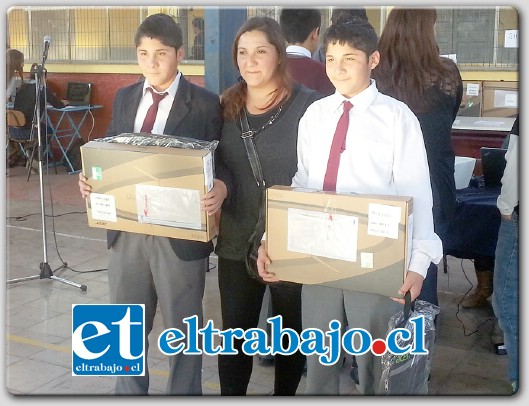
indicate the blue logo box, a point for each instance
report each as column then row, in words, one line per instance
column 108, row 339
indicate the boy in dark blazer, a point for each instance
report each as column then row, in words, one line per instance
column 158, row 270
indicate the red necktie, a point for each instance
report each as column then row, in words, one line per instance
column 148, row 123
column 337, row 147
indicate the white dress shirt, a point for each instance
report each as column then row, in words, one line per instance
column 297, row 50
column 508, row 198
column 384, row 154
column 163, row 108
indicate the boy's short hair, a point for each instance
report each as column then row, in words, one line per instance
column 340, row 15
column 298, row 23
column 357, row 34
column 198, row 22
column 161, row 27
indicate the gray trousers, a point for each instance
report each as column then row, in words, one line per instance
column 145, row 269
column 320, row 305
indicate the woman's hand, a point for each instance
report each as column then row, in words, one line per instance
column 413, row 283
column 212, row 201
column 84, row 187
column 262, row 265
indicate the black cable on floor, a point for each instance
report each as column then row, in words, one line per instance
column 461, row 301
column 26, row 216
column 64, row 263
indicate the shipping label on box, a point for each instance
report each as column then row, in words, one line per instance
column 354, row 242
column 149, row 189
column 500, row 99
column 471, row 101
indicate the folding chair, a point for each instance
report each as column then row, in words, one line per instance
column 15, row 122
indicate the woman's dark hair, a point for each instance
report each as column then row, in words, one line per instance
column 14, row 64
column 409, row 59
column 161, row 27
column 234, row 98
column 34, row 70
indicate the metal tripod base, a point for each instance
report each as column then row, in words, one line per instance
column 46, row 273
column 45, row 270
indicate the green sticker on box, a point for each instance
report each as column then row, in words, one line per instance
column 97, row 173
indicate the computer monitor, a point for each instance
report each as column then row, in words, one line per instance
column 79, row 93
column 493, row 164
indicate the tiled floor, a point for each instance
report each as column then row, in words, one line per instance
column 38, row 311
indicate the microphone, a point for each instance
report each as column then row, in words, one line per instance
column 47, row 42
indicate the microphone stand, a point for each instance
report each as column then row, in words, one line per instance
column 45, row 269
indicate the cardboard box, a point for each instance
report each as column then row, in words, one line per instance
column 472, row 99
column 500, row 99
column 149, row 189
column 354, row 242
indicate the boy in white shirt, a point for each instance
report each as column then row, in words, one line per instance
column 383, row 153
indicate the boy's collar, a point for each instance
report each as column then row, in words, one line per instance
column 298, row 50
column 360, row 100
column 171, row 90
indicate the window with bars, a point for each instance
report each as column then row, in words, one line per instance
column 88, row 34
column 105, row 34
column 477, row 36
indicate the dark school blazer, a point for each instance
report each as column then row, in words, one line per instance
column 195, row 113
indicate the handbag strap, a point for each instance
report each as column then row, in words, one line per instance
column 249, row 144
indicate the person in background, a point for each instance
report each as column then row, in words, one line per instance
column 25, row 102
column 341, row 15
column 484, row 269
column 382, row 153
column 148, row 269
column 14, row 72
column 505, row 299
column 301, row 28
column 273, row 106
column 411, row 70
column 197, row 51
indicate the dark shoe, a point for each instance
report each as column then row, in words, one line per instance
column 478, row 298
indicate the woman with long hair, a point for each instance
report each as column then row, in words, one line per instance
column 14, row 72
column 412, row 71
column 273, row 106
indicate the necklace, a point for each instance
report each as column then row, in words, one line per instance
column 268, row 123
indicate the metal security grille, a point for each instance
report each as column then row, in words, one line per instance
column 477, row 36
column 87, row 34
column 272, row 12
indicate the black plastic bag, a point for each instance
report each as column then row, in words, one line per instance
column 408, row 374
